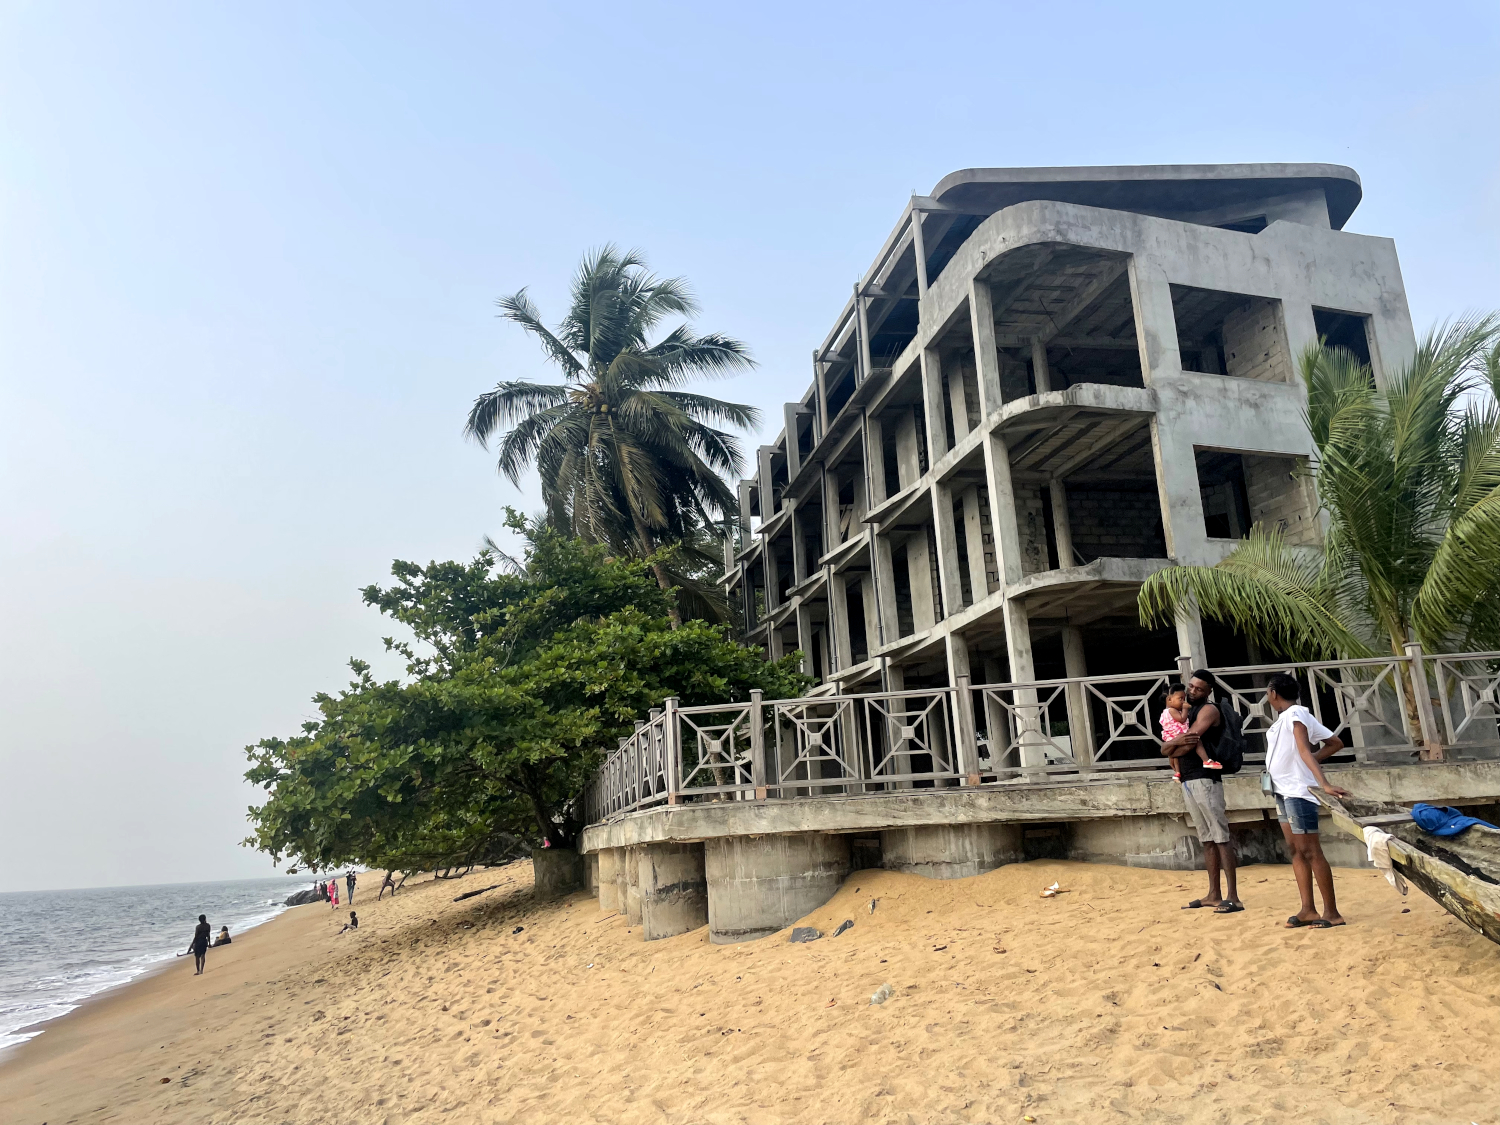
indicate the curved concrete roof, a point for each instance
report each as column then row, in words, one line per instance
column 1150, row 188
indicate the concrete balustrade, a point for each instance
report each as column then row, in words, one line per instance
column 951, row 851
column 760, row 884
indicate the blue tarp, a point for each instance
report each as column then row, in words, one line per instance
column 1444, row 821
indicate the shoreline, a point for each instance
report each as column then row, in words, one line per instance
column 33, row 1031
column 1108, row 1003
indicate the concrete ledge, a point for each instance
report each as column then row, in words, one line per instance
column 1447, row 782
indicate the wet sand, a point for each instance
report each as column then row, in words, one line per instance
column 1105, row 1004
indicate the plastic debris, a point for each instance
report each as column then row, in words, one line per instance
column 1053, row 891
column 846, row 924
column 873, row 901
column 805, row 934
column 882, row 994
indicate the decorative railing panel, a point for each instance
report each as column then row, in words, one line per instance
column 1088, row 728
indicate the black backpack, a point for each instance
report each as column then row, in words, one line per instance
column 1231, row 749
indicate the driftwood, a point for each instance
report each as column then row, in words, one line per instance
column 480, row 891
column 1460, row 873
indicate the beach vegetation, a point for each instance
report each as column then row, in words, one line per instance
column 627, row 457
column 1408, row 476
column 521, row 676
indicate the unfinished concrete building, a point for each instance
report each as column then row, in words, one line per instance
column 1051, row 383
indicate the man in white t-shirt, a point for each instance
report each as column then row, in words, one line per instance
column 1296, row 744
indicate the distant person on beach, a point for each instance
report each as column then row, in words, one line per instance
column 390, row 881
column 349, row 882
column 1203, row 793
column 352, row 924
column 199, row 947
column 333, row 894
column 1296, row 745
column 222, row 939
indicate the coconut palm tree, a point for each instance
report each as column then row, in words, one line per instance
column 626, row 457
column 1409, row 476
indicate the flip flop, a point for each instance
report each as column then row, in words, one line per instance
column 1229, row 907
column 1198, row 904
column 1295, row 923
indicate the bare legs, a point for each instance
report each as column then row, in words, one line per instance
column 1220, row 859
column 1310, row 865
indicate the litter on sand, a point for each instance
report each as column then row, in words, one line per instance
column 881, row 994
column 846, row 924
column 1053, row 891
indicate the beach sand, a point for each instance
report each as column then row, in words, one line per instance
column 1107, row 1003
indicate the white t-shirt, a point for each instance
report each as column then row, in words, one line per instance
column 1289, row 773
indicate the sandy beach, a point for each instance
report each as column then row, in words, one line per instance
column 1107, row 1003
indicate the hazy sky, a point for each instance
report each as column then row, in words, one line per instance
column 249, row 254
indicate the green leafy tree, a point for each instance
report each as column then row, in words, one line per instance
column 1409, row 477
column 519, row 685
column 626, row 457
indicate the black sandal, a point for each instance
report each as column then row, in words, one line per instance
column 1229, row 906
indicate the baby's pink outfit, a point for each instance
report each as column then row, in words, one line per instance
column 1170, row 727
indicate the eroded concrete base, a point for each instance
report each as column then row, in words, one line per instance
column 950, row 851
column 673, row 889
column 556, row 871
column 609, row 880
column 760, row 884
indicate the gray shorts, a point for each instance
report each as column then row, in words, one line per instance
column 1205, row 804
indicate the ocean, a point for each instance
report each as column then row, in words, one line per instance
column 58, row 948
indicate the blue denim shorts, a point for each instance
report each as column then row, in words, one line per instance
column 1300, row 814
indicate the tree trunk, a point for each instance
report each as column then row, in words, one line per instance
column 648, row 545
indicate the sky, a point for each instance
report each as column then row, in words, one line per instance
column 249, row 256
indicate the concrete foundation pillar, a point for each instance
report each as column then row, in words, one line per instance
column 591, row 873
column 609, row 881
column 760, row 884
column 630, row 887
column 556, row 871
column 951, row 851
column 673, row 889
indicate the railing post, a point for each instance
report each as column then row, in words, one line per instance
column 757, row 723
column 965, row 735
column 1184, row 669
column 672, row 748
column 1432, row 741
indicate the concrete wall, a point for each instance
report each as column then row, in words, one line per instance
column 1115, row 523
column 1281, row 497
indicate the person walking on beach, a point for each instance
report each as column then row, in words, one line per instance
column 199, row 947
column 333, row 894
column 1296, row 745
column 390, row 881
column 1203, row 793
column 349, row 882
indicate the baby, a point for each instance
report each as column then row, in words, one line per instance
column 1174, row 724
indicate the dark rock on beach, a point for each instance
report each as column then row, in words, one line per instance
column 302, row 898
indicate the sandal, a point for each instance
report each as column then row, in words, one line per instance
column 1229, row 906
column 1295, row 923
column 1199, row 904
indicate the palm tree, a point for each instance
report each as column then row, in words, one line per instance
column 1409, row 477
column 625, row 456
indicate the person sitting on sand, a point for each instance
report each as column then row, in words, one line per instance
column 199, row 946
column 1174, row 725
column 390, row 881
column 352, row 924
column 1294, row 763
column 222, row 939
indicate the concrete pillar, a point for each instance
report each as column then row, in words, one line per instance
column 758, row 885
column 799, row 545
column 965, row 736
column 986, row 354
column 1003, row 523
column 871, row 608
column 1041, row 374
column 1155, row 322
column 947, row 545
column 610, row 901
column 1080, row 710
column 885, row 577
column 832, row 532
column 555, row 871
column 1062, row 523
column 908, row 459
column 933, row 409
column 951, row 851
column 1190, row 642
column 630, row 886
column 591, row 873
column 979, row 578
column 958, row 401
column 1023, row 670
column 803, row 614
column 919, row 574
column 838, row 611
column 766, row 480
column 673, row 889
column 793, row 448
column 874, row 462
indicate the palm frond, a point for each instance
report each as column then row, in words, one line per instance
column 518, row 309
column 507, row 403
column 1272, row 593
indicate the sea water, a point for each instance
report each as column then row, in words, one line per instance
column 57, row 948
